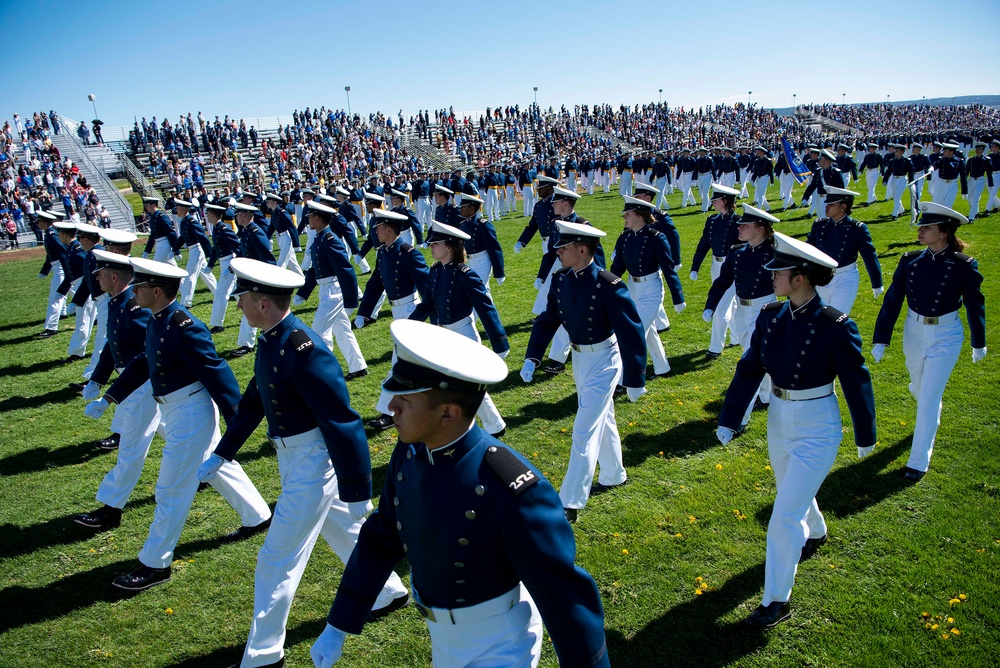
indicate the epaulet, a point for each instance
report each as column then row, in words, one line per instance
column 561, row 270
column 833, row 314
column 299, row 340
column 962, row 257
column 609, row 277
column 181, row 319
column 406, row 248
column 581, row 220
column 739, row 245
column 133, row 304
column 771, row 305
column 464, row 268
column 912, row 254
column 514, row 473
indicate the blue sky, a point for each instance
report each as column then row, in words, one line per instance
column 257, row 59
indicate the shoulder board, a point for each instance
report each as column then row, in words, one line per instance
column 181, row 319
column 562, row 270
column 133, row 304
column 739, row 245
column 514, row 473
column 406, row 248
column 962, row 257
column 464, row 268
column 581, row 220
column 912, row 254
column 299, row 340
column 609, row 277
column 770, row 306
column 833, row 314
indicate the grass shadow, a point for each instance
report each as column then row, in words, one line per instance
column 59, row 396
column 687, row 438
column 28, row 369
column 44, row 459
column 19, row 325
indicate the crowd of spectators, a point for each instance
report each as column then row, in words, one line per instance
column 872, row 119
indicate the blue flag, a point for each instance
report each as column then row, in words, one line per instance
column 799, row 171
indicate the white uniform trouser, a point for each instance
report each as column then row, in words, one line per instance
column 847, row 178
column 487, row 413
column 786, row 182
column 73, row 287
column 704, row 183
column 286, row 255
column 743, row 183
column 399, row 312
column 992, row 201
column 542, row 298
column 57, row 302
column 190, row 428
column 945, row 192
column 743, row 323
column 136, row 420
column 685, row 186
column 648, row 298
column 507, row 631
column 85, row 316
column 100, row 333
column 511, row 202
column 919, row 186
column 931, row 353
column 425, row 212
column 661, row 186
column 527, row 200
column 331, row 321
column 163, row 252
column 606, row 181
column 571, row 181
column 802, row 442
column 625, row 184
column 247, row 337
column 728, row 179
column 490, row 203
column 975, row 194
column 894, row 191
column 723, row 312
column 588, row 182
column 843, row 289
column 309, row 504
column 595, row 432
column 222, row 289
column 307, row 260
column 480, row 263
column 871, row 178
column 197, row 266
column 760, row 185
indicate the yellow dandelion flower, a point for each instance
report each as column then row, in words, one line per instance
column 944, row 636
column 624, row 551
column 692, row 519
column 956, row 632
column 698, row 579
column 682, row 487
column 661, row 453
column 954, row 601
column 832, row 566
column 190, row 561
column 676, row 535
column 980, row 550
column 616, row 534
column 169, row 611
column 93, row 550
column 950, row 620
column 934, row 627
column 927, row 625
column 697, row 592
column 962, row 597
column 925, row 614
column 902, row 423
column 767, row 468
column 718, row 467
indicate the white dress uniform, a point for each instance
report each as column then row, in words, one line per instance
column 720, row 234
column 56, row 304
column 193, row 236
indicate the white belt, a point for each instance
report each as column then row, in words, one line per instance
column 757, row 300
column 473, row 613
column 404, row 300
column 324, row 281
column 802, row 395
column 932, row 319
column 181, row 394
column 476, row 256
column 596, row 347
column 643, row 279
column 718, row 259
column 227, row 257
column 192, row 246
column 545, row 240
column 305, row 437
column 460, row 324
column 847, row 267
column 949, row 180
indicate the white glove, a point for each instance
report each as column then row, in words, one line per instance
column 634, row 393
column 177, row 257
column 518, row 247
column 91, row 391
column 678, row 267
column 328, row 647
column 539, row 283
column 41, row 276
column 210, row 468
column 706, row 315
column 978, row 354
column 145, row 255
column 878, row 352
column 528, row 370
column 95, row 409
column 876, row 292
column 425, row 245
column 864, row 452
column 358, row 259
column 360, row 509
column 504, row 354
column 724, row 434
column 694, row 275
column 501, row 280
column 298, row 301
column 680, row 307
column 359, row 322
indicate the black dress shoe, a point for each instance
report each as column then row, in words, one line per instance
column 77, row 386
column 913, row 475
column 101, row 519
column 73, row 358
column 142, row 578
column 598, row 488
column 241, row 351
column 202, row 486
column 620, row 390
column 768, row 616
column 665, row 329
column 709, row 355
column 357, row 374
column 46, row 333
column 218, row 329
column 394, row 605
column 381, row 423
column 552, row 366
column 246, row 532
column 812, row 544
column 571, row 514
column 500, row 433
column 109, row 443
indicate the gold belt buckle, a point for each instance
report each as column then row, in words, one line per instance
column 746, row 302
column 778, row 392
column 933, row 320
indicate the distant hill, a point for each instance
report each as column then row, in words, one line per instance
column 988, row 100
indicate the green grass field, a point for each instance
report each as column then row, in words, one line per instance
column 909, row 577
